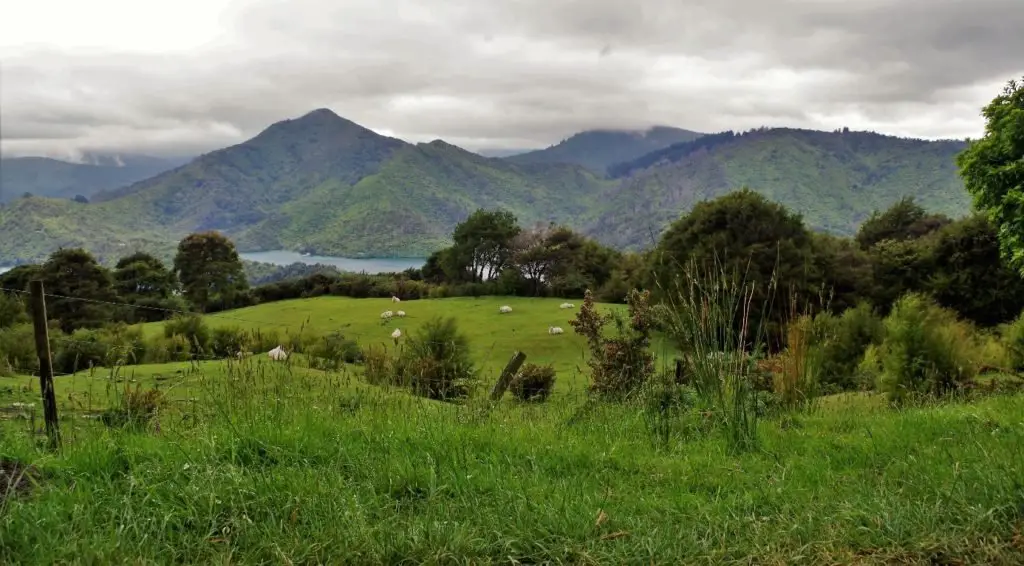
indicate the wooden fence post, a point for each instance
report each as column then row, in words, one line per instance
column 45, row 364
column 506, row 375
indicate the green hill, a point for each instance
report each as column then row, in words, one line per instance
column 835, row 179
column 45, row 177
column 319, row 183
column 598, row 149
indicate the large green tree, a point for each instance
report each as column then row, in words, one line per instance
column 904, row 220
column 210, row 271
column 483, row 243
column 993, row 169
column 144, row 282
column 80, row 290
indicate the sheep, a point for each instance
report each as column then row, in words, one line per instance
column 386, row 315
column 395, row 299
column 278, row 354
column 503, row 309
column 396, row 334
column 400, row 314
column 555, row 330
column 566, row 306
column 241, row 354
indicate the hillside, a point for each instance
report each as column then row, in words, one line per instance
column 42, row 176
column 598, row 149
column 835, row 179
column 318, row 183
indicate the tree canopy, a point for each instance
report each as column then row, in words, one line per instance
column 210, row 271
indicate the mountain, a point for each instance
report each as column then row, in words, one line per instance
column 487, row 152
column 598, row 149
column 834, row 179
column 318, row 182
column 43, row 176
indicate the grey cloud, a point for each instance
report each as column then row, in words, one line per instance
column 516, row 72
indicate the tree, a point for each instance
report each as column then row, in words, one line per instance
column 81, row 291
column 210, row 271
column 534, row 257
column 483, row 243
column 143, row 280
column 904, row 220
column 993, row 169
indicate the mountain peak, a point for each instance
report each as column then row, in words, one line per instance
column 321, row 114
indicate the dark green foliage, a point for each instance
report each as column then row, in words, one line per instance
column 967, row 273
column 483, row 244
column 192, row 328
column 838, row 344
column 533, row 383
column 228, row 341
column 621, row 362
column 210, row 272
column 842, row 270
column 143, row 281
column 899, row 267
column 1013, row 341
column 18, row 349
column 436, row 361
column 12, row 309
column 17, row 279
column 81, row 291
column 993, row 169
column 87, row 347
column 905, row 220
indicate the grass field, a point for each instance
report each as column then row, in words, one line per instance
column 493, row 337
column 263, row 462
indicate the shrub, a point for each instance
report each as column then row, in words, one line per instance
column 436, row 361
column 12, row 310
column 227, row 341
column 622, row 363
column 109, row 347
column 533, row 383
column 926, row 350
column 332, row 351
column 795, row 381
column 265, row 340
column 161, row 349
column 1013, row 341
column 136, row 409
column 378, row 366
column 193, row 328
column 18, row 350
column 839, row 343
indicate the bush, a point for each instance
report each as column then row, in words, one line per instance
column 1013, row 340
column 926, row 350
column 533, row 383
column 18, row 350
column 193, row 328
column 136, row 409
column 838, row 346
column 227, row 341
column 12, row 310
column 436, row 361
column 378, row 366
column 332, row 351
column 620, row 364
column 85, row 348
column 161, row 349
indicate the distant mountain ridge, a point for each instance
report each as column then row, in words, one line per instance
column 55, row 178
column 598, row 149
column 323, row 184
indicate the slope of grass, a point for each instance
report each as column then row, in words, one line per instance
column 274, row 476
column 493, row 337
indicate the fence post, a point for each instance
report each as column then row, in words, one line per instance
column 506, row 375
column 45, row 364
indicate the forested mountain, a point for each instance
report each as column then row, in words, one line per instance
column 46, row 177
column 598, row 149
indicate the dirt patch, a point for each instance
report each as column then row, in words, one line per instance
column 16, row 478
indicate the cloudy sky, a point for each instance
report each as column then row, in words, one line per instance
column 163, row 77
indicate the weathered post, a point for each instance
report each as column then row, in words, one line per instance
column 506, row 375
column 45, row 365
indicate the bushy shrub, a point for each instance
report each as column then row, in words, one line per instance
column 85, row 348
column 227, row 341
column 162, row 349
column 1013, row 341
column 265, row 340
column 926, row 350
column 436, row 361
column 378, row 366
column 193, row 328
column 135, row 409
column 533, row 383
column 12, row 310
column 838, row 344
column 18, row 350
column 332, row 351
column 621, row 363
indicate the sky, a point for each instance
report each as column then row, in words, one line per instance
column 188, row 76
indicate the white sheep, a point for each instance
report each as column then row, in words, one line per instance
column 396, row 334
column 395, row 299
column 243, row 354
column 566, row 306
column 386, row 315
column 400, row 314
column 504, row 309
column 278, row 354
column 554, row 330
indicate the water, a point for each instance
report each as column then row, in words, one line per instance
column 356, row 265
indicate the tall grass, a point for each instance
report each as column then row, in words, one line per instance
column 709, row 319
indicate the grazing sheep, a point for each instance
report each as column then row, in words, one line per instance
column 504, row 309
column 554, row 330
column 387, row 315
column 396, row 334
column 566, row 306
column 278, row 354
column 400, row 314
column 395, row 299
